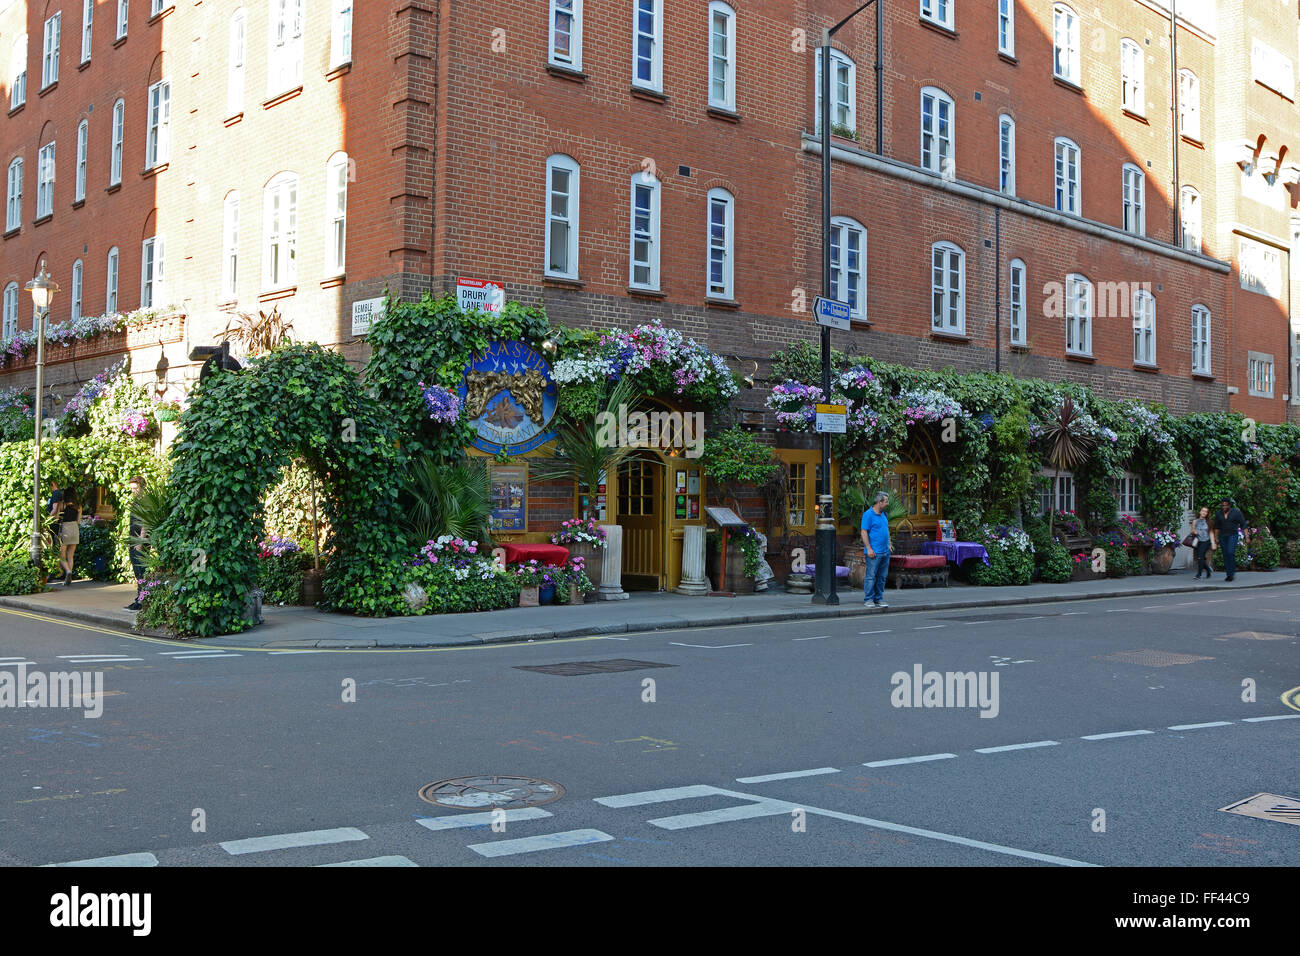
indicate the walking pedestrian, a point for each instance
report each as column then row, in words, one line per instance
column 1204, row 540
column 136, row 530
column 875, row 538
column 1228, row 526
column 69, row 533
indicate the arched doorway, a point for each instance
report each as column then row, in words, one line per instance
column 915, row 481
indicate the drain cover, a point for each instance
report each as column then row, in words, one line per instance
column 1268, row 806
column 491, row 790
column 1150, row 658
column 577, row 668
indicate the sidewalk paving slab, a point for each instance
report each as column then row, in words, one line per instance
column 289, row 628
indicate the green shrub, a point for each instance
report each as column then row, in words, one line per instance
column 1245, row 560
column 1011, row 557
column 482, row 589
column 1118, row 562
column 158, row 606
column 1053, row 564
column 1291, row 554
column 1266, row 551
column 280, row 577
column 17, row 576
column 98, row 541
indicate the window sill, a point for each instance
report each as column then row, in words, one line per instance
column 113, row 188
column 48, row 89
column 281, row 97
column 1259, row 394
column 564, row 282
column 1008, row 58
column 652, row 96
column 1192, row 141
column 1019, row 347
column 18, row 109
column 938, row 28
column 153, row 170
column 1146, row 367
column 711, row 302
column 1203, row 376
column 227, row 305
column 160, row 14
column 1081, row 357
column 120, row 40
column 274, row 294
column 646, row 293
column 721, row 113
column 1135, row 116
column 13, row 232
column 566, row 73
column 43, row 219
column 78, row 204
column 949, row 336
column 82, row 65
column 232, row 120
column 1067, row 84
column 343, row 69
column 333, row 282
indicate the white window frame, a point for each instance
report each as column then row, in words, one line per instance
column 1065, row 44
column 1007, row 27
column 1201, row 347
column 1134, row 189
column 1144, row 328
column 844, row 91
column 230, row 247
column 572, row 11
column 1189, row 105
column 849, row 284
column 1132, row 76
column 9, row 314
column 1260, row 379
column 948, row 288
column 938, row 151
column 644, row 228
column 1052, row 492
column 18, row 72
column 110, row 281
column 280, row 232
column 1006, row 155
column 724, row 252
column 938, row 12
column 14, row 195
column 721, row 12
column 655, row 81
column 1127, row 490
column 1190, row 202
column 78, row 282
column 50, row 50
column 87, row 28
column 45, row 181
column 559, row 162
column 156, row 7
column 1079, row 310
column 285, row 46
column 236, row 62
column 83, row 144
column 1069, row 189
column 336, row 214
column 152, row 272
column 341, row 33
column 157, row 147
column 123, row 11
column 115, row 154
column 1017, row 290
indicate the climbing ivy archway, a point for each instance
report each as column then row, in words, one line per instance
column 240, row 429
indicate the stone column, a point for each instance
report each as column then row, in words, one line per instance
column 693, row 581
column 611, row 567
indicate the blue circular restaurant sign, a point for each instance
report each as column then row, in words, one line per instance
column 509, row 397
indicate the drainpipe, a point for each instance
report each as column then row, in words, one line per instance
column 1173, row 51
column 997, row 289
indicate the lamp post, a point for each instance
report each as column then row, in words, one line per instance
column 824, row 591
column 42, row 289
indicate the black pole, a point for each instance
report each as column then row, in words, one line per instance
column 1173, row 52
column 824, row 592
column 880, row 82
column 997, row 288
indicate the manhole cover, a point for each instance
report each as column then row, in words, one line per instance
column 491, row 790
column 1268, row 806
column 1150, row 658
column 577, row 668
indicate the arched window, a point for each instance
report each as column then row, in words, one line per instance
column 914, row 482
column 110, row 286
column 115, row 160
column 9, row 315
column 1189, row 105
column 1068, row 198
column 83, row 142
column 722, row 245
column 14, row 196
column 849, row 264
column 844, row 94
column 1134, row 190
column 937, row 112
column 77, row 281
column 336, row 213
column 1078, row 315
column 722, row 55
column 1200, row 340
column 280, row 231
column 284, row 62
column 643, row 240
column 1190, row 217
column 1144, row 328
column 238, row 47
column 230, row 247
column 562, row 216
column 1016, row 290
column 1065, row 44
column 948, row 288
column 1131, row 77
column 1006, row 155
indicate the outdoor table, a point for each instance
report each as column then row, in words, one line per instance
column 956, row 551
column 550, row 555
column 841, row 571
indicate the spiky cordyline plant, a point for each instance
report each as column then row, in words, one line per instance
column 1067, row 445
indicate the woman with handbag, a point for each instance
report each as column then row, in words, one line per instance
column 1202, row 539
column 69, row 533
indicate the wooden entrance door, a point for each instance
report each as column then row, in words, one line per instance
column 640, row 512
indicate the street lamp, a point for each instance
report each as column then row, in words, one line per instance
column 824, row 592
column 42, row 289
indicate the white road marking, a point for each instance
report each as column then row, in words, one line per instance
column 712, row 647
column 1070, row 613
column 821, row 638
column 17, row 663
column 616, row 638
column 1028, row 746
column 1038, row 618
column 203, row 657
column 928, row 627
column 299, row 652
column 549, row 841
column 104, row 660
column 901, row 760
column 767, row 777
column 1213, row 723
column 1256, row 720
column 68, row 657
column 704, row 818
column 667, row 795
column 284, row 841
column 1216, row 601
column 481, row 819
column 374, row 861
column 968, row 623
column 126, row 859
column 1152, row 607
column 885, row 631
column 13, row 659
column 1118, row 733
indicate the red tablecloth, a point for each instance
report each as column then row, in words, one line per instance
column 551, row 555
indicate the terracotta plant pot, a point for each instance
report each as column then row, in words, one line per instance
column 592, row 559
column 1161, row 560
column 528, row 597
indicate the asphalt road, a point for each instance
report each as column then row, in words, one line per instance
column 1117, row 732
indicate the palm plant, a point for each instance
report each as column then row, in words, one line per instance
column 260, row 333
column 448, row 499
column 150, row 508
column 585, row 455
column 1067, row 444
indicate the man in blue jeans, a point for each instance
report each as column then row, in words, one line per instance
column 1229, row 524
column 875, row 538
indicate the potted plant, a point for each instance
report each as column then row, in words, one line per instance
column 555, row 587
column 1163, row 544
column 529, row 575
column 585, row 539
column 580, row 583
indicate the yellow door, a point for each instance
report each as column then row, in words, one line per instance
column 640, row 512
column 683, row 505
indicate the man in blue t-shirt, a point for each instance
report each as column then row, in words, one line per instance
column 875, row 538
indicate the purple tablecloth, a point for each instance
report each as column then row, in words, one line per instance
column 956, row 551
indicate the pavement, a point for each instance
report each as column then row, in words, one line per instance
column 103, row 605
